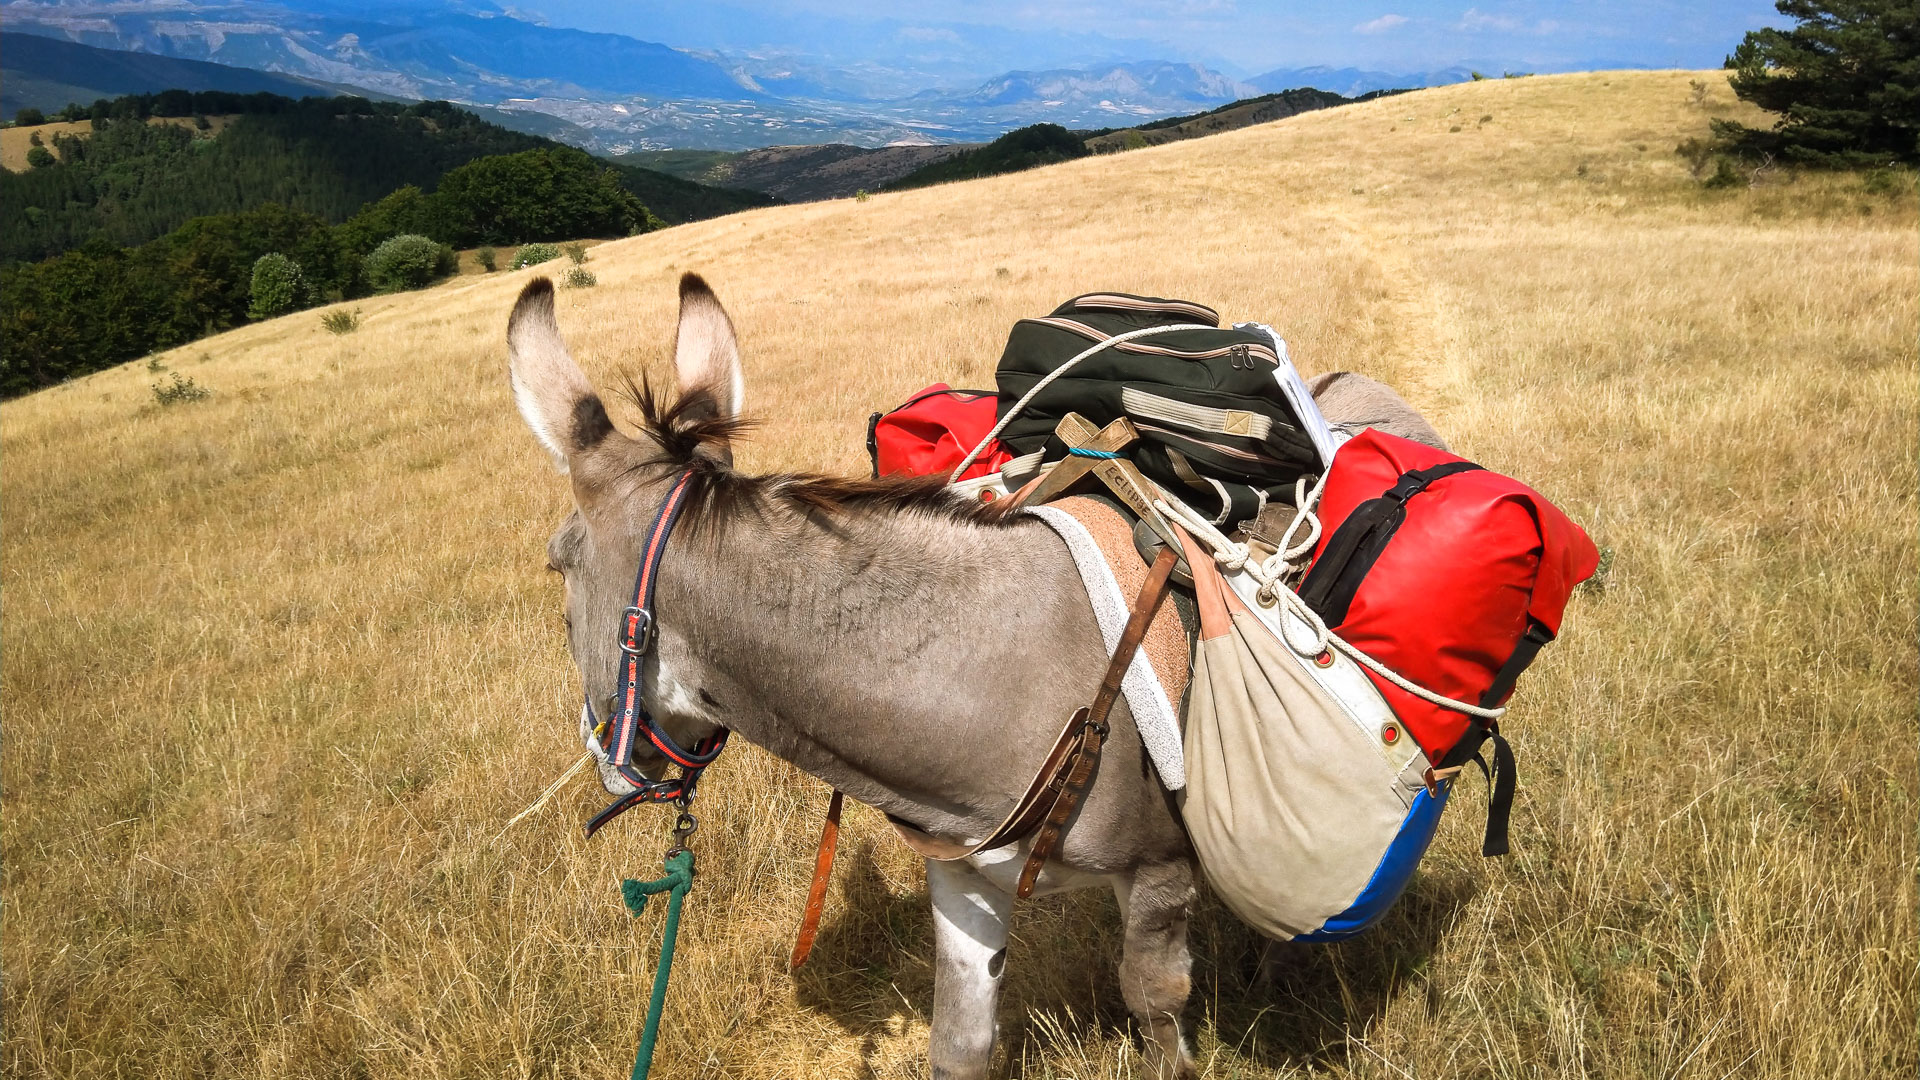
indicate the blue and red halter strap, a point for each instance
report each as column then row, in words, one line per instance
column 631, row 717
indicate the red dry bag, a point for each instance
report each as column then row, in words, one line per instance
column 1451, row 575
column 933, row 431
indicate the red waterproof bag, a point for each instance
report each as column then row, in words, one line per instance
column 1447, row 573
column 933, row 431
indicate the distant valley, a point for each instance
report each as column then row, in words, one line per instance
column 613, row 94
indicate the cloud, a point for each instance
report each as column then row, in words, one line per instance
column 1474, row 21
column 1381, row 25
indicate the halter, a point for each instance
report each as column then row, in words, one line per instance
column 636, row 640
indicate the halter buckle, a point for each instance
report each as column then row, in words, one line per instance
column 636, row 631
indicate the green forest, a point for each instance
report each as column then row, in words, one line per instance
column 146, row 236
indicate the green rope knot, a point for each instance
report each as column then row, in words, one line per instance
column 676, row 884
column 678, row 880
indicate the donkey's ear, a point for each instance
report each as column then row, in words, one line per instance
column 706, row 355
column 552, row 392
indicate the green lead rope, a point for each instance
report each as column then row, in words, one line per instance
column 677, row 883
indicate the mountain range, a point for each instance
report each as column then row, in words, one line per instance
column 612, row 93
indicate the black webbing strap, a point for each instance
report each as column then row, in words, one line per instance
column 1536, row 638
column 1502, row 779
column 1502, row 776
column 1355, row 546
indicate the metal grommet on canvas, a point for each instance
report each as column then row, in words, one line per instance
column 1325, row 660
column 1390, row 733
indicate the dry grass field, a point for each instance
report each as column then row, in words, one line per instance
column 279, row 664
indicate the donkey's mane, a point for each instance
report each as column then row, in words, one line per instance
column 717, row 492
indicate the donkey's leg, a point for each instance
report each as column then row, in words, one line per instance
column 970, row 954
column 1155, row 965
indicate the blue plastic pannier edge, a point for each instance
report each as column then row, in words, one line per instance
column 1390, row 878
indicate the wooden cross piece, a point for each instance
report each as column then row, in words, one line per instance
column 1118, row 474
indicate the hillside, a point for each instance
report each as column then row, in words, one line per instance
column 129, row 181
column 280, row 664
column 46, row 74
column 1026, row 148
column 800, row 173
column 1246, row 113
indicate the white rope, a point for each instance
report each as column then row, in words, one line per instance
column 1047, row 380
column 1272, row 574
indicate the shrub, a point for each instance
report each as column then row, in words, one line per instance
column 576, row 252
column 180, row 390
column 407, row 261
column 40, row 157
column 1888, row 181
column 579, row 277
column 1698, row 154
column 534, row 254
column 1725, row 176
column 277, row 286
column 29, row 118
column 341, row 321
column 488, row 259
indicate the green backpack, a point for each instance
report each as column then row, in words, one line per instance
column 1217, row 410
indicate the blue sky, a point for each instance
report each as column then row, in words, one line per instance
column 1242, row 36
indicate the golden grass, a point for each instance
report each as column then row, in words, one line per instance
column 279, row 664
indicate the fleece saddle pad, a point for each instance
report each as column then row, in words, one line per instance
column 1101, row 540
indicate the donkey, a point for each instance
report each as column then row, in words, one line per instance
column 914, row 651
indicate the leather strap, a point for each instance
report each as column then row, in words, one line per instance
column 1093, row 720
column 1069, row 749
column 1022, row 820
column 817, row 892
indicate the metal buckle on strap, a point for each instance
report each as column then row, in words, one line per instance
column 636, row 631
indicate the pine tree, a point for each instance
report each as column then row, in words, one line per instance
column 1846, row 81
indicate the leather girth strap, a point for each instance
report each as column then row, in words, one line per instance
column 1095, row 721
column 1057, row 786
column 817, row 892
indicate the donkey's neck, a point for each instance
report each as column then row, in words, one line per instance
column 919, row 662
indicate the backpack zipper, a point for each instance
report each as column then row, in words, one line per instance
column 1262, row 352
column 1122, row 302
column 1241, row 422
